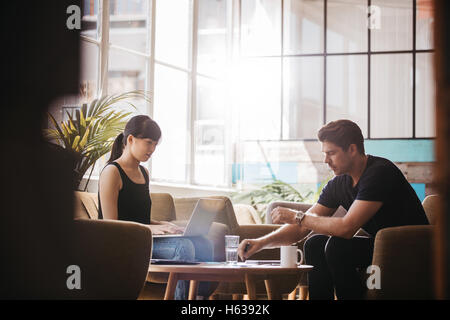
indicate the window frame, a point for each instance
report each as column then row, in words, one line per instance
column 103, row 44
column 368, row 53
column 234, row 16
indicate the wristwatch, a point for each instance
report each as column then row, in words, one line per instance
column 299, row 216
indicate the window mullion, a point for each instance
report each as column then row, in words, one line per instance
column 414, row 72
column 151, row 30
column 150, row 72
column 369, row 51
column 192, row 94
column 104, row 48
column 228, row 132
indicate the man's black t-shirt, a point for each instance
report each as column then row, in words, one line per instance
column 380, row 181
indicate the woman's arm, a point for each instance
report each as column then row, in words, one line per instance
column 110, row 185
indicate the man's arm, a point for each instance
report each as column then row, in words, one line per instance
column 285, row 235
column 292, row 232
column 345, row 227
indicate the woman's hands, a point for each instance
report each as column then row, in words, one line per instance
column 165, row 227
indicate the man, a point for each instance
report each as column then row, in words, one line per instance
column 373, row 191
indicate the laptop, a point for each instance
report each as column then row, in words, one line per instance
column 202, row 217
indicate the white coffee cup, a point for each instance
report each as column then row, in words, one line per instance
column 289, row 256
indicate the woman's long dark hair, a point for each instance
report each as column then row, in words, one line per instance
column 139, row 127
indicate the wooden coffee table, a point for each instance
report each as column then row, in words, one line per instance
column 223, row 272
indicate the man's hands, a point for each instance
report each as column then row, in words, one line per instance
column 284, row 235
column 253, row 246
column 290, row 233
column 282, row 215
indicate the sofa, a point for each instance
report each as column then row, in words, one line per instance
column 178, row 210
column 404, row 254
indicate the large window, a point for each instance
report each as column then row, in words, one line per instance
column 333, row 62
column 225, row 71
column 115, row 51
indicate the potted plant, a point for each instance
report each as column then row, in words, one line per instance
column 90, row 134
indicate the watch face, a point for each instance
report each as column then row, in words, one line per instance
column 299, row 216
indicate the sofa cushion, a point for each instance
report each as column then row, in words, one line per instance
column 163, row 208
column 246, row 214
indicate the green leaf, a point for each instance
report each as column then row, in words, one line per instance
column 82, row 119
column 84, row 139
column 75, row 142
column 60, row 133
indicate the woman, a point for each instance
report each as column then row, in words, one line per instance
column 124, row 194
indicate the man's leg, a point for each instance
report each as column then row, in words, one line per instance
column 343, row 256
column 320, row 283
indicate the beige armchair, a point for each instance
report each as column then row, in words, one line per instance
column 113, row 257
column 405, row 257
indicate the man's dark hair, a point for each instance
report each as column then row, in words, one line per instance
column 342, row 133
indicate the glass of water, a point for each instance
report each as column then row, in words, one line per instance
column 231, row 248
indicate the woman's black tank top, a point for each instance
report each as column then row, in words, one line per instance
column 134, row 202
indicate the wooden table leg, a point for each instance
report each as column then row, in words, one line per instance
column 193, row 288
column 273, row 292
column 171, row 286
column 303, row 292
column 251, row 286
column 293, row 294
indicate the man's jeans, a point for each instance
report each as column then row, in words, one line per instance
column 187, row 249
column 335, row 262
